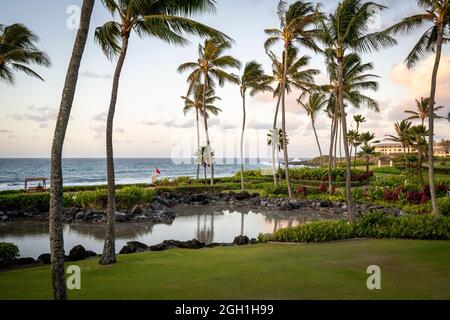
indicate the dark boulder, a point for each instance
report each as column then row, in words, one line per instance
column 125, row 250
column 193, row 244
column 44, row 258
column 77, row 253
column 216, row 244
column 241, row 240
column 136, row 210
column 90, row 254
column 173, row 243
column 159, row 247
column 242, row 196
column 120, row 217
column 253, row 241
column 136, row 246
column 25, row 261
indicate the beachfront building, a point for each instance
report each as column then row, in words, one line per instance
column 397, row 148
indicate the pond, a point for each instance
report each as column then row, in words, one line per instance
column 206, row 224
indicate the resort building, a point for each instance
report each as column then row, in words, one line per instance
column 397, row 148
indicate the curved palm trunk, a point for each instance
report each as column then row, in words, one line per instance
column 330, row 159
column 431, row 120
column 109, row 248
column 275, row 145
column 348, row 181
column 198, row 141
column 208, row 142
column 317, row 140
column 242, row 141
column 283, row 122
column 56, row 179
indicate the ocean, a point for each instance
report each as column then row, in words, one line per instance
column 128, row 170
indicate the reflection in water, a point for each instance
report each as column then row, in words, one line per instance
column 206, row 224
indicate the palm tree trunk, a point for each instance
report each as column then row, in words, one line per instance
column 242, row 224
column 242, row 141
column 208, row 142
column 275, row 145
column 109, row 248
column 330, row 160
column 367, row 164
column 336, row 135
column 283, row 122
column 318, row 143
column 56, row 179
column 348, row 181
column 198, row 141
column 431, row 120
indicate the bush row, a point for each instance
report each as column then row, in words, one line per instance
column 372, row 225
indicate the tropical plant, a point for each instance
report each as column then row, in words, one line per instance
column 347, row 29
column 210, row 66
column 297, row 26
column 195, row 103
column 164, row 20
column 435, row 14
column 253, row 79
column 419, row 143
column 18, row 50
column 402, row 135
column 316, row 103
column 422, row 112
column 367, row 150
column 56, row 177
column 359, row 119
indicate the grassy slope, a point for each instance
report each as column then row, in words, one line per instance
column 410, row 270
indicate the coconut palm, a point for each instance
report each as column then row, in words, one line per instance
column 367, row 139
column 436, row 15
column 297, row 26
column 422, row 112
column 402, row 135
column 359, row 119
column 353, row 139
column 195, row 103
column 56, row 186
column 346, row 29
column 367, row 151
column 315, row 104
column 211, row 66
column 164, row 20
column 253, row 79
column 18, row 51
column 419, row 143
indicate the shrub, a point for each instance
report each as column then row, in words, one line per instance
column 388, row 170
column 183, row 180
column 444, row 206
column 8, row 253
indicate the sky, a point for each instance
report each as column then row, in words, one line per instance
column 149, row 119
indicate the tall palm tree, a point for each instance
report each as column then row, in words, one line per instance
column 422, row 112
column 346, row 29
column 18, row 50
column 419, row 143
column 359, row 119
column 297, row 26
column 210, row 66
column 165, row 20
column 402, row 136
column 196, row 104
column 436, row 15
column 367, row 139
column 298, row 77
column 316, row 103
column 353, row 139
column 56, row 179
column 253, row 79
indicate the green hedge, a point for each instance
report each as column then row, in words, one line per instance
column 372, row 225
column 8, row 253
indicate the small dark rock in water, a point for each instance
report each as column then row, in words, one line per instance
column 121, row 217
column 44, row 258
column 125, row 250
column 136, row 246
column 79, row 215
column 159, row 247
column 241, row 240
column 136, row 210
column 25, row 261
column 77, row 253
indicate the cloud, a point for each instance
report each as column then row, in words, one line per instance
column 417, row 81
column 120, row 130
column 101, row 117
column 259, row 125
column 6, row 131
column 99, row 131
column 175, row 124
column 41, row 115
column 150, row 122
column 93, row 75
column 228, row 126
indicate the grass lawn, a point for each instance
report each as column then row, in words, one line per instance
column 409, row 270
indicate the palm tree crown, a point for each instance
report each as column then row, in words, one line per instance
column 423, row 111
column 254, row 79
column 196, row 101
column 18, row 51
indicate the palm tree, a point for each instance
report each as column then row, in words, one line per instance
column 18, row 51
column 210, row 66
column 316, row 102
column 366, row 139
column 367, row 151
column 56, row 186
column 298, row 25
column 353, row 139
column 436, row 13
column 402, row 136
column 165, row 20
column 256, row 81
column 347, row 29
column 418, row 134
column 278, row 146
column 359, row 119
column 422, row 112
column 196, row 104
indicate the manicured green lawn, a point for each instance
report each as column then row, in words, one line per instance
column 409, row 270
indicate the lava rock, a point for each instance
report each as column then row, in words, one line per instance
column 121, row 217
column 159, row 247
column 44, row 258
column 193, row 244
column 79, row 215
column 136, row 246
column 253, row 241
column 125, row 250
column 77, row 253
column 241, row 240
column 136, row 210
column 90, row 254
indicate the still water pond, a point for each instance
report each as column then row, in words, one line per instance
column 206, row 224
